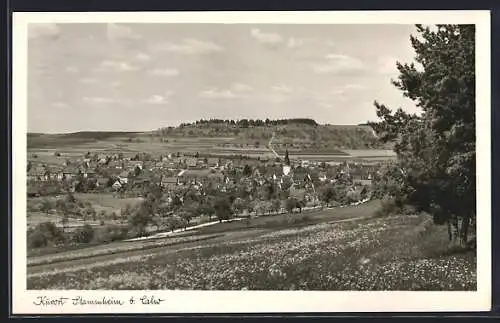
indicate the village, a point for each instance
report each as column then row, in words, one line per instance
column 128, row 176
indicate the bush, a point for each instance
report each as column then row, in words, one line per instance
column 45, row 234
column 36, row 239
column 408, row 210
column 391, row 206
column 117, row 233
column 84, row 234
column 111, row 233
column 34, row 207
column 102, row 235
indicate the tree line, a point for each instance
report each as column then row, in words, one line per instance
column 244, row 123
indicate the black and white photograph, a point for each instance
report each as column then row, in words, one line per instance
column 252, row 156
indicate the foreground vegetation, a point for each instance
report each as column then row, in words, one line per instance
column 386, row 253
column 436, row 150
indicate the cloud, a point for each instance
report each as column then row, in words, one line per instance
column 236, row 90
column 387, row 65
column 354, row 87
column 119, row 66
column 266, row 38
column 89, row 81
column 218, row 94
column 342, row 93
column 335, row 63
column 72, row 69
column 142, row 57
column 42, row 30
column 98, row 100
column 330, row 43
column 240, row 87
column 190, row 47
column 159, row 99
column 282, row 88
column 295, row 42
column 164, row 72
column 60, row 105
column 281, row 93
column 117, row 32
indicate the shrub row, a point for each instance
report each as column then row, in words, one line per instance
column 48, row 234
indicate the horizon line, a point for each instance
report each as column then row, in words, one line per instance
column 152, row 130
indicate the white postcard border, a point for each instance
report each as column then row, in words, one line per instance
column 256, row 301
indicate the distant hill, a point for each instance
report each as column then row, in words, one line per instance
column 294, row 134
column 306, row 133
column 42, row 140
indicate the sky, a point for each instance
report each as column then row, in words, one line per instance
column 139, row 77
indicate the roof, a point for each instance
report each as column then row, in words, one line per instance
column 70, row 169
column 53, row 169
column 35, row 171
column 102, row 180
column 215, row 175
column 195, row 173
column 169, row 180
column 191, row 161
column 212, row 160
column 364, row 181
column 142, row 180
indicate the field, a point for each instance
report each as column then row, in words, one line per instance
column 325, row 142
column 100, row 202
column 193, row 145
column 106, row 201
column 359, row 252
column 35, row 218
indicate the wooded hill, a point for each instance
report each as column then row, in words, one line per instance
column 303, row 133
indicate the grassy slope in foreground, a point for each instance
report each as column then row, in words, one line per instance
column 392, row 253
column 275, row 222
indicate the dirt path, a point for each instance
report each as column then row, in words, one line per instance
column 270, row 144
column 134, row 255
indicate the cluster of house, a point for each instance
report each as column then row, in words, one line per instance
column 173, row 171
column 116, row 167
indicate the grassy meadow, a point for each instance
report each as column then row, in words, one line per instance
column 360, row 252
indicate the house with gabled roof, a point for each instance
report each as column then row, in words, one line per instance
column 69, row 172
column 53, row 172
column 36, row 173
column 169, row 181
column 102, row 182
column 191, row 162
column 117, row 185
column 203, row 176
column 89, row 173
